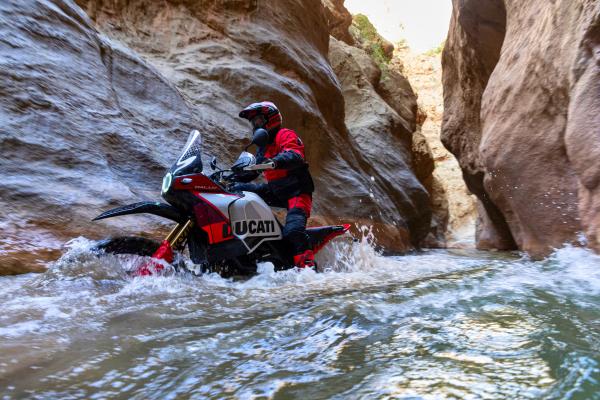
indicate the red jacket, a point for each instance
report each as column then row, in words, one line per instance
column 285, row 140
column 291, row 177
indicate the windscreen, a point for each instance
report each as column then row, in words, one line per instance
column 190, row 161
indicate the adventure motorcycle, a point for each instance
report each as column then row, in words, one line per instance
column 226, row 232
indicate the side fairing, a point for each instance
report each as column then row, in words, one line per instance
column 212, row 215
column 252, row 221
column 220, row 201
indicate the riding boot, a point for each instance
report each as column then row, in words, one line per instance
column 305, row 260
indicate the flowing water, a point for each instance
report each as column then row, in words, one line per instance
column 434, row 325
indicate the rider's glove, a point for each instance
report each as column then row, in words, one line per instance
column 237, row 187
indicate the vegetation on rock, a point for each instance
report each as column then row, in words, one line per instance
column 366, row 36
column 436, row 50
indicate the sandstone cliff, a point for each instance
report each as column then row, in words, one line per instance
column 93, row 112
column 85, row 125
column 382, row 133
column 522, row 111
column 453, row 206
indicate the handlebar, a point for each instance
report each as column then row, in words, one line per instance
column 260, row 167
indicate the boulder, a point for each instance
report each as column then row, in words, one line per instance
column 522, row 115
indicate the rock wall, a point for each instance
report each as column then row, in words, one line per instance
column 93, row 112
column 339, row 20
column 85, row 125
column 453, row 206
column 382, row 132
column 522, row 114
column 222, row 56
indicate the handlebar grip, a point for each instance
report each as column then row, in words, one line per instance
column 260, row 167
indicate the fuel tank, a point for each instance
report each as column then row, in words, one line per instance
column 253, row 221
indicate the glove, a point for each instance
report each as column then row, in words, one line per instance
column 237, row 187
column 247, row 187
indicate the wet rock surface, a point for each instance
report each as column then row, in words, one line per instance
column 94, row 112
column 86, row 125
column 521, row 115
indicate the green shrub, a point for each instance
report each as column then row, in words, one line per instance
column 365, row 27
column 436, row 50
column 366, row 34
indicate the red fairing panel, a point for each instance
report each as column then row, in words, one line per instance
column 212, row 221
column 197, row 182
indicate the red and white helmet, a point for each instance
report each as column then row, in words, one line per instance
column 271, row 117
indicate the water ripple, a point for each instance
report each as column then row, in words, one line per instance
column 434, row 325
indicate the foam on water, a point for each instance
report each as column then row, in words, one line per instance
column 438, row 323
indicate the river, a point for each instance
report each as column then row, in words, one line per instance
column 440, row 324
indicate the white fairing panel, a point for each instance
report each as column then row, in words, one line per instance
column 252, row 218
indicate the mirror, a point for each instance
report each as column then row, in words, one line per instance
column 213, row 163
column 260, row 137
column 244, row 160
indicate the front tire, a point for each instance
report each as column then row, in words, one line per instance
column 133, row 245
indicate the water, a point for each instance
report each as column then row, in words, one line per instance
column 436, row 325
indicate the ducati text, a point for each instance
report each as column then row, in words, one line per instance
column 254, row 227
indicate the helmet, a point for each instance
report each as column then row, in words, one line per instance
column 263, row 115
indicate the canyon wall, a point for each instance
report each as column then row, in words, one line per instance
column 453, row 206
column 522, row 111
column 98, row 98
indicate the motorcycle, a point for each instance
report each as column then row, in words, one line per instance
column 225, row 231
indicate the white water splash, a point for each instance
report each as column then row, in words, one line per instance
column 476, row 324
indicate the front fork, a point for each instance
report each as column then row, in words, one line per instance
column 175, row 240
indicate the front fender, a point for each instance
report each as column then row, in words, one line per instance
column 148, row 207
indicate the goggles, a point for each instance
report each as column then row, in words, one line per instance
column 258, row 121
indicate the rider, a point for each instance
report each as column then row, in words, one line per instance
column 290, row 184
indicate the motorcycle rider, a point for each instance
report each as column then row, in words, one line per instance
column 290, row 184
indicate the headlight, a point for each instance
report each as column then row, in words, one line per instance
column 166, row 183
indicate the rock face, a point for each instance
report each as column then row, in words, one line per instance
column 93, row 112
column 522, row 111
column 85, row 125
column 222, row 56
column 454, row 208
column 382, row 133
column 339, row 19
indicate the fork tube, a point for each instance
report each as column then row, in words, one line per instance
column 177, row 236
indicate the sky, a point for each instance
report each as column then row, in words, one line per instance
column 423, row 23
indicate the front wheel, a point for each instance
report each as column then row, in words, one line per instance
column 133, row 245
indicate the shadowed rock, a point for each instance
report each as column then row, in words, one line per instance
column 521, row 115
column 383, row 137
column 85, row 123
column 94, row 112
